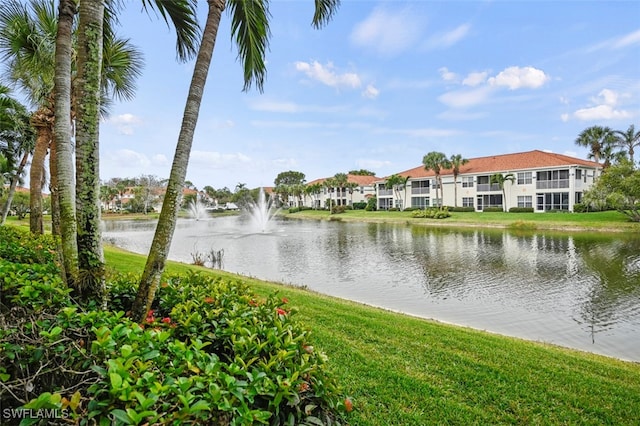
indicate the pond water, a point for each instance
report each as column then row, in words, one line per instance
column 580, row 290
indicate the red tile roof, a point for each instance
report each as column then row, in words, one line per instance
column 506, row 163
column 360, row 180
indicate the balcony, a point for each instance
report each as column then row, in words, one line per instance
column 486, row 187
column 420, row 190
column 385, row 192
column 552, row 184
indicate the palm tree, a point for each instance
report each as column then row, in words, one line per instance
column 250, row 28
column 105, row 66
column 351, row 187
column 17, row 141
column 628, row 140
column 500, row 180
column 394, row 182
column 329, row 184
column 313, row 191
column 456, row 161
column 436, row 161
column 595, row 138
column 340, row 182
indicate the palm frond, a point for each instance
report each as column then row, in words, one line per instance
column 325, row 9
column 182, row 14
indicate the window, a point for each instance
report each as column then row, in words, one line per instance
column 553, row 201
column 525, row 201
column 420, row 202
column 524, row 178
column 578, row 174
column 551, row 179
column 467, row 182
column 467, row 201
column 420, row 187
column 578, row 198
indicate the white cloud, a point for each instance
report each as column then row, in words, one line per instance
column 627, row 40
column 475, row 79
column 603, row 107
column 125, row 123
column 326, row 75
column 160, row 160
column 370, row 92
column 465, row 98
column 519, row 77
column 217, row 160
column 447, row 75
column 449, row 38
column 388, row 32
column 600, row 112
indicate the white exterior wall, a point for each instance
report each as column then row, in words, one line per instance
column 534, row 190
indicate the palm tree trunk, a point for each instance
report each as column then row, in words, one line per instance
column 159, row 250
column 12, row 187
column 36, row 174
column 53, row 189
column 62, row 161
column 91, row 285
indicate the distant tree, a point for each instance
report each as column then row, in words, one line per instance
column 628, row 141
column 396, row 183
column 351, row 187
column 436, row 161
column 314, row 191
column 456, row 162
column 329, row 185
column 340, row 180
column 595, row 138
column 361, row 172
column 289, row 178
column 618, row 187
column 17, row 141
column 500, row 179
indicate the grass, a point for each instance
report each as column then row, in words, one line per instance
column 402, row 370
column 609, row 221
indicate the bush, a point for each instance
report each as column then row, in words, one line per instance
column 338, row 209
column 209, row 352
column 431, row 213
column 521, row 210
column 580, row 208
column 461, row 209
column 360, row 206
column 493, row 209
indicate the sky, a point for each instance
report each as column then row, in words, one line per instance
column 383, row 84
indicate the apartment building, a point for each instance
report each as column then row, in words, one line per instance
column 541, row 180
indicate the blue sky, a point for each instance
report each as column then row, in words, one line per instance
column 382, row 85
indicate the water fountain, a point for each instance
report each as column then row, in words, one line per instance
column 197, row 210
column 261, row 212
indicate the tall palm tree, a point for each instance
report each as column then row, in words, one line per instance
column 27, row 44
column 394, row 183
column 329, row 184
column 313, row 191
column 250, row 28
column 595, row 138
column 456, row 161
column 340, row 181
column 17, row 141
column 106, row 67
column 628, row 140
column 500, row 179
column 436, row 161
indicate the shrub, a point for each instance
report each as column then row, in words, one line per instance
column 431, row 213
column 209, row 352
column 493, row 209
column 461, row 209
column 338, row 209
column 360, row 205
column 521, row 210
column 372, row 204
column 580, row 208
column 294, row 209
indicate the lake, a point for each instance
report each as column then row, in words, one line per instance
column 575, row 290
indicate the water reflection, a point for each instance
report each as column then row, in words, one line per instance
column 581, row 290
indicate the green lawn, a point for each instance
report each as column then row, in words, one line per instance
column 401, row 370
column 611, row 221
